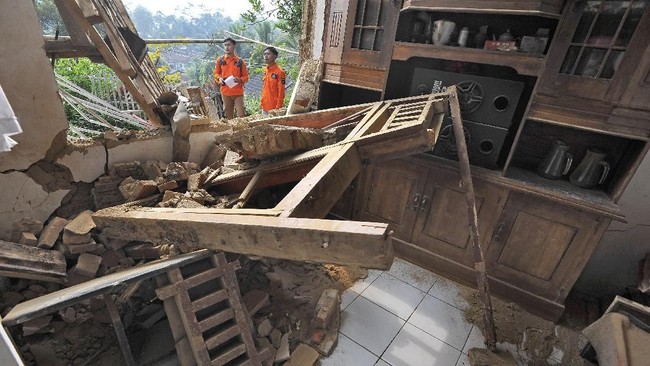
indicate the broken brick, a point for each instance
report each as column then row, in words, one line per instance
column 70, row 238
column 80, row 225
column 195, row 182
column 51, row 233
column 133, row 190
column 87, row 265
column 167, row 186
column 28, row 238
column 254, row 300
column 276, row 337
column 81, row 248
column 327, row 306
column 25, row 225
column 283, row 350
column 176, row 171
column 265, row 328
column 152, row 169
column 303, row 355
column 130, row 169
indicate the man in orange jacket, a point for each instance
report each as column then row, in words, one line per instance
column 226, row 66
column 274, row 80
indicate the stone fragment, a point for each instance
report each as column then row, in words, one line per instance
column 276, row 337
column 153, row 169
column 81, row 248
column 254, row 300
column 303, row 355
column 28, row 238
column 283, row 351
column 176, row 171
column 70, row 238
column 25, row 224
column 133, row 190
column 51, row 233
column 35, row 325
column 132, row 169
column 265, row 328
column 82, row 224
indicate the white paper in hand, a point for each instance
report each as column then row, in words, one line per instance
column 230, row 81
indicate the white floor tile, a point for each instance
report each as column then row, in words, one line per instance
column 475, row 340
column 348, row 353
column 412, row 274
column 394, row 295
column 441, row 320
column 382, row 363
column 463, row 360
column 369, row 325
column 413, row 346
column 449, row 292
column 347, row 297
column 362, row 284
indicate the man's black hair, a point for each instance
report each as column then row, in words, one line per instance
column 231, row 40
column 272, row 50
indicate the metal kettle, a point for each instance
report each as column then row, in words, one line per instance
column 557, row 161
column 592, row 170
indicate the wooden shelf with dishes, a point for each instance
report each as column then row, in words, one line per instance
column 523, row 63
column 546, row 8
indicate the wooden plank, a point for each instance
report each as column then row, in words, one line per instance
column 216, row 319
column 248, row 191
column 63, row 298
column 644, row 274
column 315, row 195
column 324, row 241
column 222, row 337
column 18, row 260
column 209, row 300
column 119, row 331
column 230, row 355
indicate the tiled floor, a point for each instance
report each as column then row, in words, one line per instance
column 406, row 316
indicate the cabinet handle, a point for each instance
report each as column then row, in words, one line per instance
column 423, row 204
column 416, row 202
column 499, row 230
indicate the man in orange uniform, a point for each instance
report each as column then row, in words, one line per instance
column 226, row 66
column 274, row 80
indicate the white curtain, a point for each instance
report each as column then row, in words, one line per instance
column 9, row 125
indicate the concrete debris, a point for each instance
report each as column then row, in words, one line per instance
column 79, row 227
column 133, row 169
column 266, row 141
column 133, row 189
column 153, row 169
column 106, row 192
column 255, row 300
column 215, row 157
column 328, row 305
column 167, row 186
column 176, row 171
column 36, row 325
column 87, row 265
column 276, row 338
column 195, row 181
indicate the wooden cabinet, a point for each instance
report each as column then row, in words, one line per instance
column 391, row 192
column 541, row 246
column 359, row 42
column 534, row 249
column 593, row 67
column 442, row 226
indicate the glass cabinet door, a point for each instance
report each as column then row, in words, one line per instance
column 602, row 37
column 594, row 43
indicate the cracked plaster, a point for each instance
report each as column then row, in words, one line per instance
column 87, row 164
column 23, row 197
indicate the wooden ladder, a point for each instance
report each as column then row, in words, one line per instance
column 209, row 322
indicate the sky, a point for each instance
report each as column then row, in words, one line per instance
column 231, row 8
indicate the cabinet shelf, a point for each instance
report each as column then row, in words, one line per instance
column 523, row 63
column 545, row 8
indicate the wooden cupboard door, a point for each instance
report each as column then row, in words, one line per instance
column 390, row 193
column 335, row 31
column 597, row 47
column 541, row 246
column 370, row 33
column 343, row 207
column 442, row 226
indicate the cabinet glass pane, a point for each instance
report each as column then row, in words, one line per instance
column 367, row 39
column 590, row 61
column 589, row 14
column 372, row 9
column 379, row 38
column 613, row 61
column 356, row 37
column 608, row 21
column 631, row 22
column 361, row 5
column 570, row 60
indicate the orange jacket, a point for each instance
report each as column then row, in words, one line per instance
column 231, row 65
column 273, row 88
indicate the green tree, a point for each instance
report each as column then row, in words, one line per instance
column 49, row 16
column 288, row 13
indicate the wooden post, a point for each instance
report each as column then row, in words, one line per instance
column 479, row 261
column 119, row 330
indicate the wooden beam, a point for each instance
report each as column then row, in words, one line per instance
column 61, row 299
column 248, row 191
column 315, row 195
column 325, row 241
column 23, row 261
column 119, row 330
